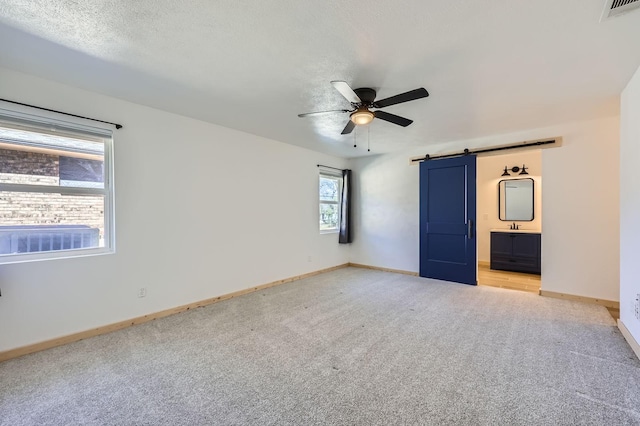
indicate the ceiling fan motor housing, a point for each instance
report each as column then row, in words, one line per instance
column 366, row 95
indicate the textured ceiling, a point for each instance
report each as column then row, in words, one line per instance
column 491, row 66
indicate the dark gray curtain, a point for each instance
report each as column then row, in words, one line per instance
column 346, row 232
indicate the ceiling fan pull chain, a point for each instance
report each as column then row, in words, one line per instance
column 369, row 138
column 355, row 138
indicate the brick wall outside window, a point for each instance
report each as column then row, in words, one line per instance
column 30, row 208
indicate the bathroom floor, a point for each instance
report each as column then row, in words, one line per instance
column 505, row 279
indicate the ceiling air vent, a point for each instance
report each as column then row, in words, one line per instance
column 613, row 8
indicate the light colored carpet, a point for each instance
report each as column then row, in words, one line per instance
column 353, row 346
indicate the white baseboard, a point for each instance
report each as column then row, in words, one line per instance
column 635, row 346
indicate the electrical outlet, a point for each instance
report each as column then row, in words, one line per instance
column 142, row 292
column 309, row 259
column 637, row 307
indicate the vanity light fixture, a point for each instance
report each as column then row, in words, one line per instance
column 515, row 169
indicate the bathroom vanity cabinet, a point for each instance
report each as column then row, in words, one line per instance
column 516, row 251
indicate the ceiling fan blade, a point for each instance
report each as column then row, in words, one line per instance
column 349, row 128
column 392, row 118
column 322, row 112
column 411, row 95
column 346, row 91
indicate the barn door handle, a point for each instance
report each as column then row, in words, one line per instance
column 470, row 229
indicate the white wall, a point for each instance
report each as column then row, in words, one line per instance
column 201, row 211
column 488, row 173
column 580, row 212
column 385, row 214
column 630, row 207
column 579, row 207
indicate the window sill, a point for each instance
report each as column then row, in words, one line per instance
column 328, row 231
column 52, row 255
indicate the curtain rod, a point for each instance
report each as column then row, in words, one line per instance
column 118, row 126
column 480, row 151
column 329, row 167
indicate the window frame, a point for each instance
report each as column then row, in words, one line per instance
column 334, row 176
column 38, row 121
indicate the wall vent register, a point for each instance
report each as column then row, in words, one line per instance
column 614, row 8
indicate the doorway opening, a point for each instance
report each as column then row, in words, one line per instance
column 514, row 264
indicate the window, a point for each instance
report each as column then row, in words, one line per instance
column 330, row 186
column 55, row 188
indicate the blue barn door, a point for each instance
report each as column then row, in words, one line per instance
column 447, row 219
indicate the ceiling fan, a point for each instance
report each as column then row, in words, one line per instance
column 363, row 99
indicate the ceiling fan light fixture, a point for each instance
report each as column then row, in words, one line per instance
column 362, row 116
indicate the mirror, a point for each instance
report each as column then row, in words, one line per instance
column 515, row 199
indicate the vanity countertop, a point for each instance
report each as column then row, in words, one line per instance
column 521, row 231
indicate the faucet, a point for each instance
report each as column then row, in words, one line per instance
column 514, row 226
